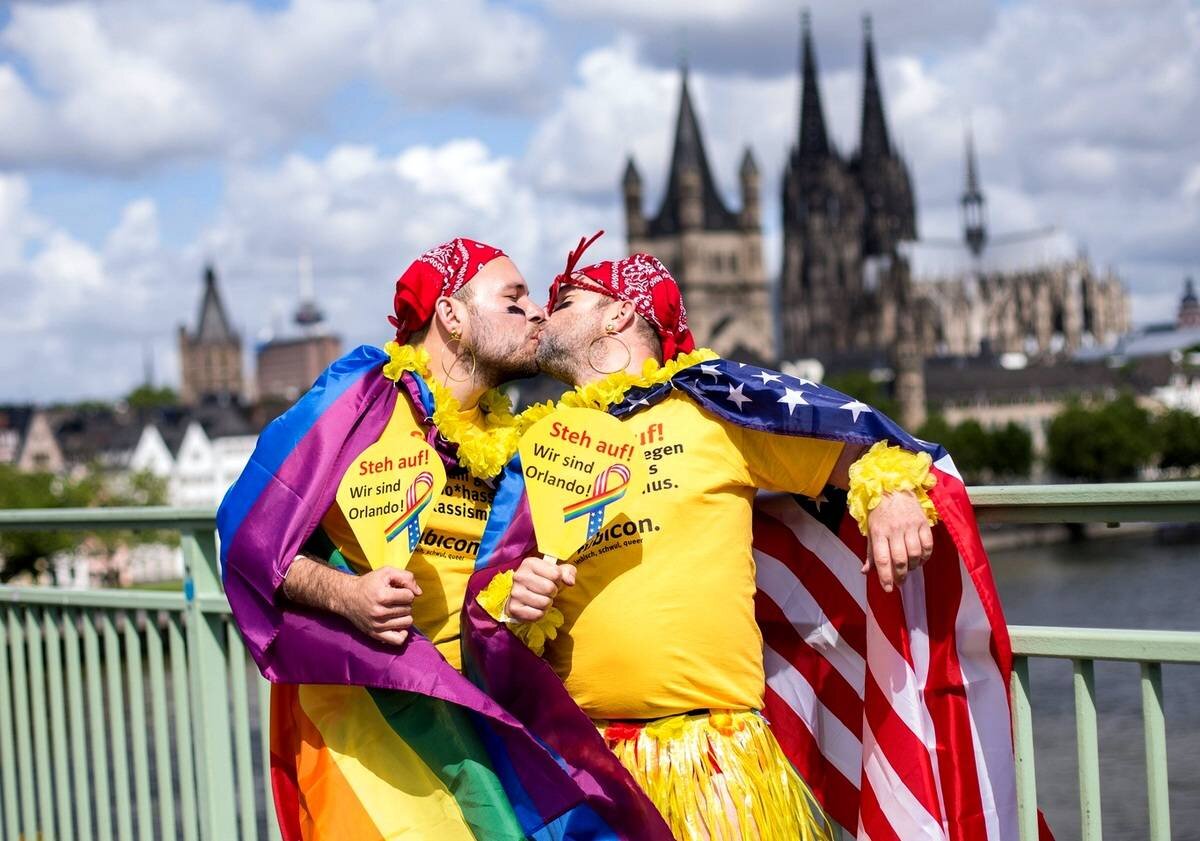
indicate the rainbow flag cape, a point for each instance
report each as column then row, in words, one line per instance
column 892, row 706
column 391, row 720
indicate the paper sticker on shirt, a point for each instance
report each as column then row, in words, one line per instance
column 388, row 492
column 581, row 472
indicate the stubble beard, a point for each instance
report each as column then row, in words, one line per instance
column 501, row 356
column 559, row 354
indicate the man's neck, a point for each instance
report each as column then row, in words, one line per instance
column 637, row 361
column 456, row 372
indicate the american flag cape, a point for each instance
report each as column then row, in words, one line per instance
column 892, row 706
column 504, row 776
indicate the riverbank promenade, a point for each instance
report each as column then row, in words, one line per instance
column 138, row 715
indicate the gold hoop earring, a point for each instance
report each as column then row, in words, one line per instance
column 458, row 356
column 610, row 334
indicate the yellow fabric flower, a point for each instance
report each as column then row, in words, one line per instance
column 403, row 358
column 535, row 635
column 494, row 597
column 886, row 469
column 666, row 729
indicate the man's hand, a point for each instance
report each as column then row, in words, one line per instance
column 380, row 603
column 535, row 584
column 898, row 538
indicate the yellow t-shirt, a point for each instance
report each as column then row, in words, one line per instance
column 445, row 557
column 661, row 618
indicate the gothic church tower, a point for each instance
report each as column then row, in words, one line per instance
column 714, row 252
column 842, row 281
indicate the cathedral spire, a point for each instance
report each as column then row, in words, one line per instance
column 691, row 199
column 874, row 143
column 974, row 221
column 814, row 139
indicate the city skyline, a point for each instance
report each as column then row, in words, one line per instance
column 154, row 139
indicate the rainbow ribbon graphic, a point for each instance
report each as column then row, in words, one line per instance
column 602, row 496
column 416, row 499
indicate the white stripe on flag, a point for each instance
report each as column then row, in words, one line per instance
column 946, row 465
column 809, row 620
column 822, row 542
column 838, row 745
column 894, row 677
column 904, row 813
column 912, row 592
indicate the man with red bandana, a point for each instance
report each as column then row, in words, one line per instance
column 464, row 324
column 682, row 715
column 466, row 306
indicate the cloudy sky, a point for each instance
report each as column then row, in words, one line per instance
column 142, row 139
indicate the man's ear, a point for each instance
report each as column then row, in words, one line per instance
column 448, row 315
column 621, row 316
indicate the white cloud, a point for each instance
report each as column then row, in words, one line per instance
column 363, row 216
column 466, row 52
column 77, row 318
column 124, row 86
column 759, row 37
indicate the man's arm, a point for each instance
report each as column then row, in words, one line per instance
column 899, row 538
column 378, row 603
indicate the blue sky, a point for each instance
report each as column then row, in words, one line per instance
column 144, row 138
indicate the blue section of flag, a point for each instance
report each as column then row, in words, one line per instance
column 769, row 401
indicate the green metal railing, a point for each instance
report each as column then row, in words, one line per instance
column 1164, row 502
column 116, row 705
column 129, row 714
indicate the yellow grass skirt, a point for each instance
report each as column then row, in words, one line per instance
column 718, row 776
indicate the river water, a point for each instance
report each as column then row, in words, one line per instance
column 1130, row 581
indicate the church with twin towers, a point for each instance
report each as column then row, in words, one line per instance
column 858, row 288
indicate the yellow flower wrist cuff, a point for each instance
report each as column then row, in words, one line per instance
column 883, row 470
column 494, row 597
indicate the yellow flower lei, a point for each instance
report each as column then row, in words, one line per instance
column 483, row 452
column 611, row 390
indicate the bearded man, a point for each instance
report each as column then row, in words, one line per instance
column 465, row 307
column 351, row 757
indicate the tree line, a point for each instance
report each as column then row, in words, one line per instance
column 1099, row 442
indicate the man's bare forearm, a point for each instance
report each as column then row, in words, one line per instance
column 840, row 476
column 310, row 582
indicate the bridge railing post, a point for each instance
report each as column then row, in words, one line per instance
column 209, row 688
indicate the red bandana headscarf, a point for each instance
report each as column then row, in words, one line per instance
column 439, row 272
column 641, row 280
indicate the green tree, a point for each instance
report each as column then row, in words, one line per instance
column 972, row 449
column 149, row 397
column 1106, row 443
column 937, row 430
column 1178, row 434
column 1010, row 451
column 24, row 551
